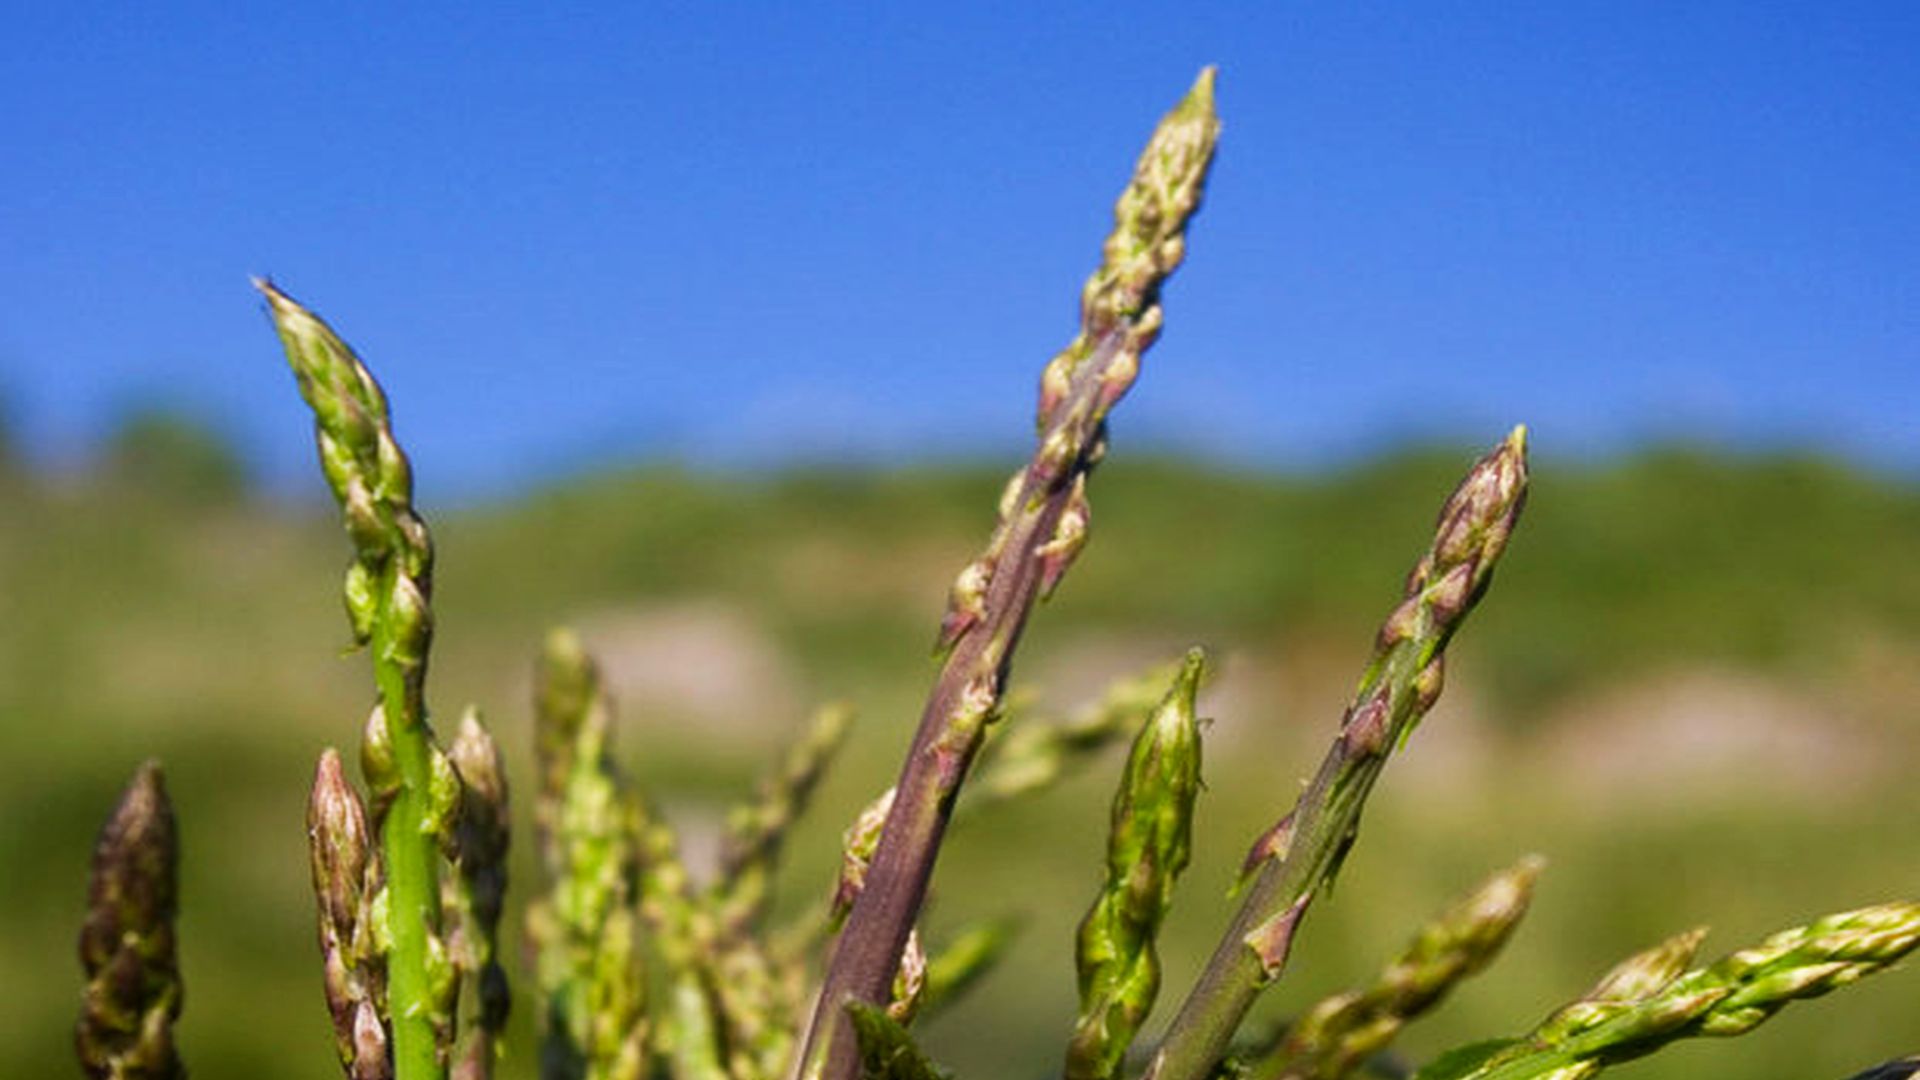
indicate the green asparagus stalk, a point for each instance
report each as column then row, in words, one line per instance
column 1147, row 848
column 586, row 926
column 886, row 1051
column 416, row 791
column 1036, row 756
column 133, row 990
column 1334, row 1037
column 346, row 878
column 1043, row 524
column 474, row 893
column 1300, row 856
column 756, row 832
column 692, row 1031
column 1647, row 1002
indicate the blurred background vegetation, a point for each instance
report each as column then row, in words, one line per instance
column 1691, row 688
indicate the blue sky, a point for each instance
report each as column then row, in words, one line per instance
column 749, row 233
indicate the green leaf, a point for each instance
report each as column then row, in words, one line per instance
column 887, row 1052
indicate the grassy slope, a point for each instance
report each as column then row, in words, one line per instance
column 207, row 637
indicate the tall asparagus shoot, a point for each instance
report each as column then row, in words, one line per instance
column 1647, row 1002
column 133, row 992
column 1043, row 524
column 586, row 927
column 1302, row 853
column 1147, row 848
column 1335, row 1036
column 416, row 792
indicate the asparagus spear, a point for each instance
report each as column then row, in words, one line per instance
column 1302, row 853
column 346, row 878
column 1043, row 524
column 132, row 999
column 474, row 894
column 1332, row 1038
column 1147, row 848
column 1647, row 1001
column 416, row 791
column 585, row 927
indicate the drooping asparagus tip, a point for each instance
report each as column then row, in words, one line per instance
column 127, row 942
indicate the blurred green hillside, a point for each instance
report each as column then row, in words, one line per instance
column 1692, row 688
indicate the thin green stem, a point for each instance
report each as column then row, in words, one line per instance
column 416, row 791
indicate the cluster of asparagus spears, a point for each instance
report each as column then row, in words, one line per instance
column 640, row 970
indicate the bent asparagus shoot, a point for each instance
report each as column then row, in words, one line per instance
column 1647, row 1002
column 1334, row 1037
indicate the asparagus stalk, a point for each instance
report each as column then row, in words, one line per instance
column 586, row 925
column 133, row 993
column 416, row 791
column 1302, row 853
column 692, row 1032
column 346, row 878
column 1147, row 848
column 1333, row 1038
column 1647, row 1002
column 1043, row 524
column 474, row 894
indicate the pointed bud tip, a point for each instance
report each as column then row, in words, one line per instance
column 144, row 813
column 1528, row 869
column 1200, row 97
column 563, row 647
